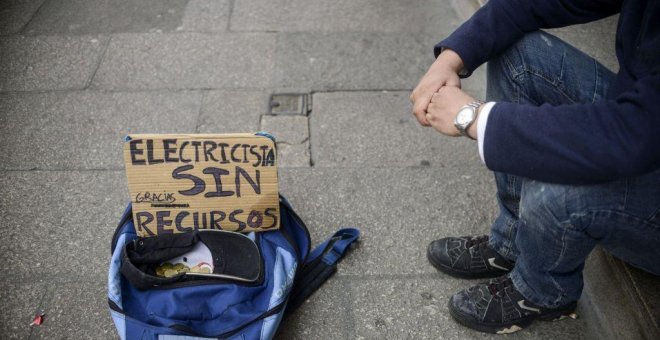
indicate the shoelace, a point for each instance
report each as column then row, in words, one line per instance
column 497, row 286
column 477, row 240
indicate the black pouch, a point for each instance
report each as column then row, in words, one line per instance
column 236, row 258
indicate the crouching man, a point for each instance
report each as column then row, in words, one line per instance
column 575, row 150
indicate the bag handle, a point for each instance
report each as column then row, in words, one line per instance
column 321, row 265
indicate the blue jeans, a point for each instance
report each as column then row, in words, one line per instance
column 550, row 229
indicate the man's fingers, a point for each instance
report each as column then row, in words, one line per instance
column 421, row 118
column 419, row 109
column 432, row 121
column 423, row 95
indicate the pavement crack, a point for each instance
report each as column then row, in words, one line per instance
column 200, row 109
column 230, row 15
column 27, row 23
column 98, row 63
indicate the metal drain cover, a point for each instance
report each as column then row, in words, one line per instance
column 288, row 104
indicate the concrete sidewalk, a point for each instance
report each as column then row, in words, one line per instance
column 78, row 75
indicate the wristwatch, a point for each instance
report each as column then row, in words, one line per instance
column 466, row 116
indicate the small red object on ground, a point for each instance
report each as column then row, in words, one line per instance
column 38, row 319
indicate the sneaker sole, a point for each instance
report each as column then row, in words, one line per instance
column 511, row 327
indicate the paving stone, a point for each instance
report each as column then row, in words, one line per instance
column 84, row 130
column 378, row 129
column 77, row 310
column 475, row 85
column 20, row 303
column 344, row 16
column 292, row 136
column 186, row 61
column 48, row 62
column 205, row 16
column 338, row 61
column 32, row 243
column 232, row 111
column 398, row 210
column 107, row 16
column 289, row 156
column 325, row 315
column 14, row 15
column 416, row 308
column 58, row 225
column 286, row 129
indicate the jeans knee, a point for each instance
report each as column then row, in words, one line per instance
column 507, row 72
column 530, row 50
column 538, row 42
column 543, row 204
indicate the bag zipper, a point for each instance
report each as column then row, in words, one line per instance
column 266, row 314
column 187, row 330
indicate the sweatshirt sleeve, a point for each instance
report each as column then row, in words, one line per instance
column 578, row 143
column 500, row 23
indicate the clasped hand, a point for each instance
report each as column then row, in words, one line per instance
column 438, row 96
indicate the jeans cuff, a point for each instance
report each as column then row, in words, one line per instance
column 503, row 248
column 527, row 292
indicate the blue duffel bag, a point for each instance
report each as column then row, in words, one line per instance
column 268, row 274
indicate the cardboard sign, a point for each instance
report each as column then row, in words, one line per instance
column 181, row 183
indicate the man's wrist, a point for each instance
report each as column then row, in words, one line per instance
column 472, row 129
column 451, row 59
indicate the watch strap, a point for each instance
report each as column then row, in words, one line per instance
column 475, row 106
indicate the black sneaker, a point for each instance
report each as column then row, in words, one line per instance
column 497, row 307
column 467, row 257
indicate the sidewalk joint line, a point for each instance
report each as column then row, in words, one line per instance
column 184, row 89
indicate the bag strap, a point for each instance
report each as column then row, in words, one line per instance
column 321, row 264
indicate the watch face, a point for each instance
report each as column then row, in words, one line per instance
column 464, row 116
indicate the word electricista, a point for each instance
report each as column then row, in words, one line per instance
column 170, row 151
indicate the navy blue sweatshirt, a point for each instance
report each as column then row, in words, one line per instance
column 578, row 143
